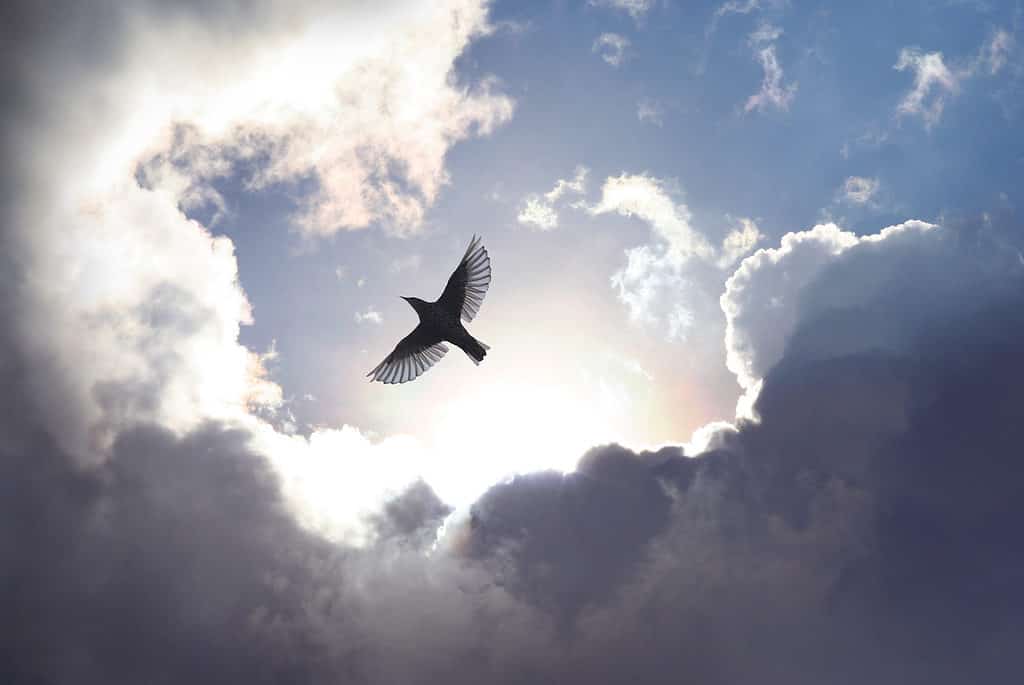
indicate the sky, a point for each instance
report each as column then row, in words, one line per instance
column 750, row 408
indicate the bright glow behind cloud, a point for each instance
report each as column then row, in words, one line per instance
column 132, row 311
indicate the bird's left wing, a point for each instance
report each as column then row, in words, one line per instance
column 468, row 283
column 414, row 354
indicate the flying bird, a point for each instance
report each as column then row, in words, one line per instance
column 441, row 321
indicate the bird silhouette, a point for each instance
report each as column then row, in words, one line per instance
column 441, row 321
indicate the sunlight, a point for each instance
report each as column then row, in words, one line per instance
column 508, row 428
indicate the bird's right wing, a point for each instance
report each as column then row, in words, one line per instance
column 468, row 283
column 414, row 354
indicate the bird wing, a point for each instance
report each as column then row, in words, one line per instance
column 414, row 354
column 468, row 284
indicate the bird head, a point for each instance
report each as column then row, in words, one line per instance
column 414, row 302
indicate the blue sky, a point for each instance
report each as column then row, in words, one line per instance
column 783, row 165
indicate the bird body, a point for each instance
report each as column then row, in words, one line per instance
column 441, row 321
column 436, row 317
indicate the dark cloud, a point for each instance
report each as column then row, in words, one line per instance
column 864, row 530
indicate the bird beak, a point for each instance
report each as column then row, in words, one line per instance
column 404, row 297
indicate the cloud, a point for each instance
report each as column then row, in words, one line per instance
column 537, row 213
column 539, row 210
column 767, row 295
column 773, row 92
column 861, row 528
column 656, row 276
column 650, row 199
column 637, row 9
column 371, row 315
column 739, row 242
column 650, row 110
column 931, row 78
column 135, row 310
column 862, row 531
column 858, row 189
column 612, row 48
column 935, row 83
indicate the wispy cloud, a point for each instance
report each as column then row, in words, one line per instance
column 858, row 190
column 655, row 279
column 936, row 83
column 371, row 315
column 637, row 9
column 612, row 48
column 538, row 210
column 648, row 110
column 774, row 92
column 739, row 242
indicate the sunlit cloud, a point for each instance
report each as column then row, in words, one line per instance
column 539, row 210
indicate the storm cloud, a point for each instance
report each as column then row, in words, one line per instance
column 859, row 524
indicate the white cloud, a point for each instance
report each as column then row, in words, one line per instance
column 739, row 241
column 133, row 311
column 612, row 48
column 654, row 281
column 650, row 199
column 536, row 212
column 935, row 83
column 773, row 92
column 650, row 110
column 577, row 185
column 763, row 298
column 371, row 315
column 365, row 105
column 539, row 210
column 859, row 190
column 636, row 9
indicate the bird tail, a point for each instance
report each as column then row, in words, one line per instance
column 475, row 350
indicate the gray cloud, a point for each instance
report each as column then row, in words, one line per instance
column 862, row 529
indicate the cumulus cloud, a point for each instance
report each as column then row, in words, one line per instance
column 133, row 310
column 773, row 92
column 859, row 190
column 612, row 48
column 539, row 211
column 935, row 83
column 862, row 531
column 765, row 298
column 860, row 528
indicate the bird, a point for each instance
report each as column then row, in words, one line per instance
column 441, row 321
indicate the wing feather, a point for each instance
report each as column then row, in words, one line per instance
column 468, row 284
column 412, row 356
